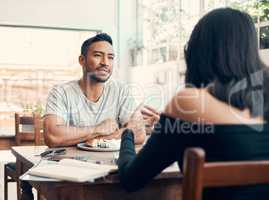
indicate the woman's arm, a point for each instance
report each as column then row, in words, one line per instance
column 164, row 147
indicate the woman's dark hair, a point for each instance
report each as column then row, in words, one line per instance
column 97, row 38
column 222, row 54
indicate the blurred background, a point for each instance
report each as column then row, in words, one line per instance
column 40, row 44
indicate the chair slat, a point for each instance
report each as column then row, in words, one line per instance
column 34, row 135
column 26, row 120
column 235, row 173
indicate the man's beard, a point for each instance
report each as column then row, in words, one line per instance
column 94, row 77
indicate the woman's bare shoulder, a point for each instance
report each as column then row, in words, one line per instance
column 186, row 104
column 192, row 104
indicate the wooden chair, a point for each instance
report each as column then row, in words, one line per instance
column 199, row 174
column 31, row 136
column 9, row 176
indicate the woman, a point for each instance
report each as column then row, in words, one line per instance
column 223, row 110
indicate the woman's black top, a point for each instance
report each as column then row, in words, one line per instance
column 172, row 136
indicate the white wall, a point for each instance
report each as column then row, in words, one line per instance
column 265, row 56
column 116, row 17
column 90, row 14
column 127, row 31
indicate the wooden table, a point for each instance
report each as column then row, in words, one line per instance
column 165, row 186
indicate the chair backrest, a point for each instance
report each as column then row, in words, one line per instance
column 27, row 129
column 199, row 174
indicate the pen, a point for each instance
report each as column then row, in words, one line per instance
column 52, row 151
column 46, row 153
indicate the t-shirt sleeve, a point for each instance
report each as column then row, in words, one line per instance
column 128, row 105
column 56, row 103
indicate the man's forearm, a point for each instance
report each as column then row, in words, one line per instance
column 58, row 134
column 61, row 135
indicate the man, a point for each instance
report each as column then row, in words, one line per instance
column 93, row 106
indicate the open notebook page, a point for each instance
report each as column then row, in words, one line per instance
column 72, row 170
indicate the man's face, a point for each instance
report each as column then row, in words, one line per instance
column 98, row 64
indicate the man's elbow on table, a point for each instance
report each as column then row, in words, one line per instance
column 51, row 140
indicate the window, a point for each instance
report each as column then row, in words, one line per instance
column 32, row 60
column 264, row 37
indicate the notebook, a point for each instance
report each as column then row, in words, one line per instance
column 72, row 170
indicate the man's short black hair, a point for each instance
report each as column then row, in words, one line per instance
column 97, row 38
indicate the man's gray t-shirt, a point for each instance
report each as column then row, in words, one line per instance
column 68, row 102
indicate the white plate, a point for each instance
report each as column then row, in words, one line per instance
column 83, row 146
